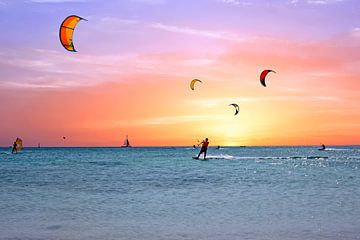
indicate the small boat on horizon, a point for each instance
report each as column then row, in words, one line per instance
column 126, row 142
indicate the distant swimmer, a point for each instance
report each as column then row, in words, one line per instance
column 204, row 147
column 14, row 149
column 194, row 146
column 322, row 147
column 218, row 147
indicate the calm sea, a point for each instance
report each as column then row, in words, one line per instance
column 162, row 193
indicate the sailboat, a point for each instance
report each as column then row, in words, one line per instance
column 126, row 142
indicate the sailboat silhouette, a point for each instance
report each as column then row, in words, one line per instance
column 126, row 142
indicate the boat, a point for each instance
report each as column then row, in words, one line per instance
column 126, row 142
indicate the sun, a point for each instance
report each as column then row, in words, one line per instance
column 228, row 133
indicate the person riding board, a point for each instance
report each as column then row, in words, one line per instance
column 204, row 147
column 14, row 150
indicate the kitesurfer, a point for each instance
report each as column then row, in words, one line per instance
column 14, row 150
column 204, row 147
column 322, row 147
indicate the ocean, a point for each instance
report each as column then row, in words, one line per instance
column 157, row 193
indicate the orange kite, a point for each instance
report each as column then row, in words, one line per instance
column 66, row 32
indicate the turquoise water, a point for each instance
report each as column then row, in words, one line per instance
column 161, row 193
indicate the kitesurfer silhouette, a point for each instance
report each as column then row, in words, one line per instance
column 14, row 148
column 322, row 147
column 204, row 147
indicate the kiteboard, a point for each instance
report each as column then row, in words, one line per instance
column 200, row 159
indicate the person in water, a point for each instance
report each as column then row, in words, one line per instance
column 204, row 147
column 14, row 150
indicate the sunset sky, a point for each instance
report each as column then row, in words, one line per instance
column 136, row 59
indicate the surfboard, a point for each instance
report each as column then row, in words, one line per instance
column 200, row 159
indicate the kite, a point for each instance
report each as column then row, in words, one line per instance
column 236, row 108
column 263, row 76
column 66, row 32
column 192, row 83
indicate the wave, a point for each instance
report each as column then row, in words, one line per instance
column 5, row 152
column 341, row 149
column 231, row 157
column 221, row 156
column 104, row 163
column 295, row 157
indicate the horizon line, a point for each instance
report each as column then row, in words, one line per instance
column 153, row 146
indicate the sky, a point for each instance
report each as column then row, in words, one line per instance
column 135, row 60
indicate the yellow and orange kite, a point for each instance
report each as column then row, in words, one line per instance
column 66, row 32
column 192, row 83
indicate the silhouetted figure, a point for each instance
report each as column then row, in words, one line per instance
column 322, row 147
column 14, row 150
column 204, row 147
